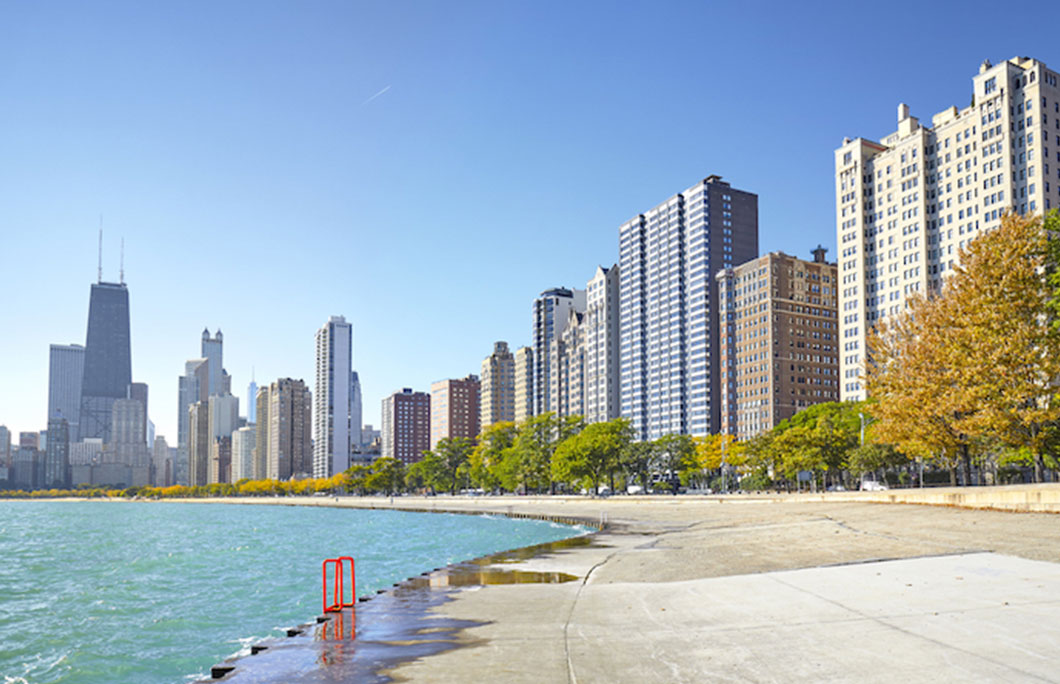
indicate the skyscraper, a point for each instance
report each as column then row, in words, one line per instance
column 406, row 431
column 198, row 444
column 66, row 368
column 57, row 455
column 524, row 383
column 906, row 205
column 585, row 356
column 5, row 446
column 334, row 385
column 356, row 411
column 288, row 429
column 108, row 365
column 252, row 402
column 213, row 352
column 497, row 395
column 780, row 341
column 243, row 441
column 455, row 409
column 551, row 312
column 668, row 303
column 193, row 387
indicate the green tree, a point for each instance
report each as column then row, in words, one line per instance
column 674, row 455
column 486, row 465
column 387, row 476
column 529, row 463
column 592, row 454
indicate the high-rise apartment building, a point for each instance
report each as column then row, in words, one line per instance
column 286, row 421
column 193, row 387
column 261, row 435
column 66, row 368
column 779, row 340
column 334, row 385
column 585, row 356
column 57, row 454
column 524, row 383
column 356, row 412
column 161, row 463
column 243, row 441
column 455, row 409
column 907, row 204
column 406, row 431
column 5, row 446
column 497, row 389
column 128, row 445
column 551, row 313
column 668, row 304
column 198, row 444
column 108, row 365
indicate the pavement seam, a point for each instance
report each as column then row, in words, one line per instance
column 883, row 622
column 571, row 677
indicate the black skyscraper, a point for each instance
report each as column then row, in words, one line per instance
column 108, row 365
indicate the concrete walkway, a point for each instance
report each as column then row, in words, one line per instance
column 761, row 590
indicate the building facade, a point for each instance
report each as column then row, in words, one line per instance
column 906, row 205
column 586, row 354
column 497, row 388
column 455, row 409
column 108, row 365
column 57, row 455
column 406, row 428
column 668, row 305
column 66, row 368
column 551, row 313
column 780, row 340
column 524, row 383
column 288, row 427
column 243, row 441
column 334, row 384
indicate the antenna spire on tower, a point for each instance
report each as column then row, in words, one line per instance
column 99, row 270
column 121, row 264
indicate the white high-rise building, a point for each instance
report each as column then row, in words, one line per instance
column 333, row 398
column 669, row 302
column 906, row 205
column 243, row 441
column 66, row 364
column 356, row 412
column 551, row 315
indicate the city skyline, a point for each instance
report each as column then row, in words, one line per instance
column 194, row 245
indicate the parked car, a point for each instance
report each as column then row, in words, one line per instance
column 873, row 486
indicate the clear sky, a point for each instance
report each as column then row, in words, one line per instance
column 424, row 169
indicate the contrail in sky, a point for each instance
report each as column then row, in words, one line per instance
column 375, row 96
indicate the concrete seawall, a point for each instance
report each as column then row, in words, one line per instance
column 1036, row 497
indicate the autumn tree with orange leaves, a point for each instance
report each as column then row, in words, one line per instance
column 980, row 360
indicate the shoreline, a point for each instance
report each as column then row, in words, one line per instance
column 663, row 574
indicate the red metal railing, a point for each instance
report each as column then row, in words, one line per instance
column 338, row 595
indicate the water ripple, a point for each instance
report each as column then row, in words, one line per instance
column 120, row 591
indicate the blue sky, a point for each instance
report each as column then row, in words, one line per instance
column 424, row 169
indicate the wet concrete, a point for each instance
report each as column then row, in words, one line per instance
column 384, row 630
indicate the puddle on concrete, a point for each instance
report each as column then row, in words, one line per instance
column 394, row 627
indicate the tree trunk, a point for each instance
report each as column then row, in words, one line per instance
column 953, row 476
column 966, row 458
column 1039, row 467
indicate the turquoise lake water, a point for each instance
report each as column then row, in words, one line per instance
column 159, row 592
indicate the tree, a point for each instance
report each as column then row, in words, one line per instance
column 442, row 466
column 486, row 464
column 636, row 462
column 530, row 460
column 674, row 454
column 592, row 454
column 980, row 359
column 387, row 476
